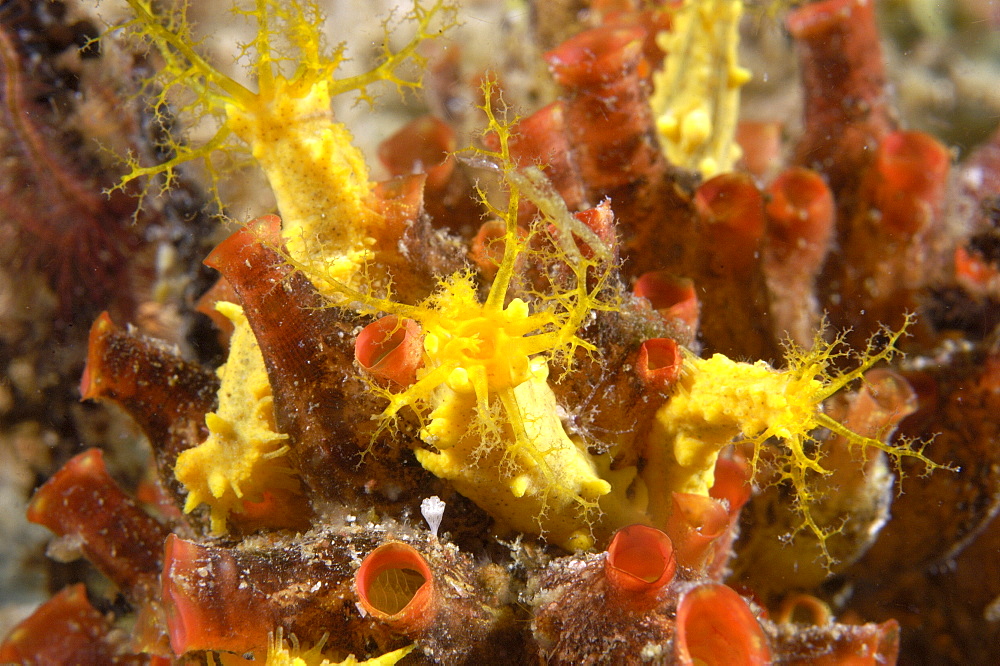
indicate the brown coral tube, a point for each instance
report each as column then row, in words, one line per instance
column 800, row 219
column 728, row 270
column 320, row 401
column 167, row 396
column 82, row 503
column 395, row 585
column 845, row 87
column 639, row 564
column 715, row 627
column 732, row 212
column 858, row 645
column 390, row 349
column 607, row 116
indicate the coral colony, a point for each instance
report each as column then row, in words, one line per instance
column 634, row 346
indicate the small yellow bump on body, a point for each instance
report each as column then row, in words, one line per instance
column 458, row 380
column 517, row 309
column 432, row 343
column 519, row 486
column 580, row 541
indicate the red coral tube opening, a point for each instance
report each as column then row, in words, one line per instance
column 594, row 57
column 732, row 212
column 659, row 363
column 732, row 199
column 911, row 170
column 390, row 349
column 715, row 627
column 673, row 296
column 800, row 209
column 266, row 229
column 208, row 604
column 732, row 482
column 913, row 161
column 640, row 561
column 395, row 585
column 423, row 145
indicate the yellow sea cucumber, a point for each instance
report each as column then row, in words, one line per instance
column 240, row 459
column 696, row 98
column 718, row 401
column 491, row 422
column 489, row 419
column 319, row 178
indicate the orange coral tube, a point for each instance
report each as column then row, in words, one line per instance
column 424, row 145
column 732, row 212
column 697, row 525
column 395, row 585
column 761, row 144
column 659, row 363
column 716, row 627
column 911, row 170
column 800, row 214
column 674, row 297
column 207, row 606
column 849, row 645
column 82, row 502
column 66, row 629
column 607, row 117
column 732, row 482
column 639, row 564
column 390, row 349
column 541, row 139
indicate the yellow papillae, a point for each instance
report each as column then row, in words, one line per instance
column 320, row 182
column 696, row 97
column 241, row 456
column 280, row 653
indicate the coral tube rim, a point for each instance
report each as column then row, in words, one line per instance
column 390, row 348
column 715, row 626
column 640, row 561
column 417, row 613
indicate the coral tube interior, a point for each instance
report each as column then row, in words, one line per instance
column 390, row 349
column 395, row 585
column 715, row 627
column 640, row 560
column 659, row 363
